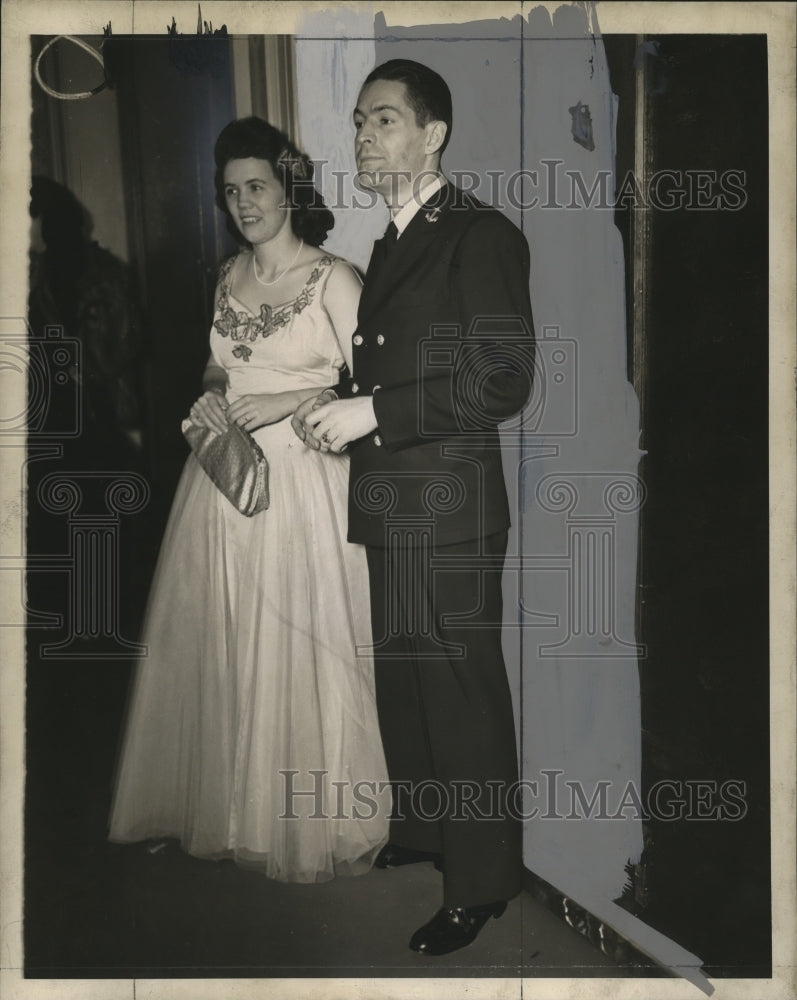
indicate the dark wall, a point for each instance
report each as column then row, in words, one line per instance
column 704, row 566
column 175, row 95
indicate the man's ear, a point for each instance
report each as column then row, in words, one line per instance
column 435, row 137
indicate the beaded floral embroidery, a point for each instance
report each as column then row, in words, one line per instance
column 243, row 326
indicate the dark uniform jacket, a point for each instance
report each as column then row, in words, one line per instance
column 444, row 343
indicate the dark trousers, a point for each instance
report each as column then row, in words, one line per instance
column 445, row 713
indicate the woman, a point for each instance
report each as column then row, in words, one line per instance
column 252, row 732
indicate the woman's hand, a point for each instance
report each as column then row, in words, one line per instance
column 256, row 410
column 210, row 410
column 300, row 428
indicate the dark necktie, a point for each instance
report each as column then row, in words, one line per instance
column 383, row 248
column 391, row 236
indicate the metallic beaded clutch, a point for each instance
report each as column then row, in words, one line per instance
column 234, row 462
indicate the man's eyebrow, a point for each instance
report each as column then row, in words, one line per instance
column 379, row 107
column 249, row 180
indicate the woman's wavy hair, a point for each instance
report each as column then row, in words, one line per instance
column 253, row 137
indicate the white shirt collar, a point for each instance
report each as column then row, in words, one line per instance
column 407, row 213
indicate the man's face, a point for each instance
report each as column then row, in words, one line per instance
column 390, row 148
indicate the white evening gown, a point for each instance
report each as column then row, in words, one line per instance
column 252, row 694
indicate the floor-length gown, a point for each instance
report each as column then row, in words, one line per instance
column 252, row 730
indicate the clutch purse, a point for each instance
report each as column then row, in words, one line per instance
column 234, row 462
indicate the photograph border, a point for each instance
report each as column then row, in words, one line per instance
column 87, row 17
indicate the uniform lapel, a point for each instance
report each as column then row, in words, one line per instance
column 384, row 277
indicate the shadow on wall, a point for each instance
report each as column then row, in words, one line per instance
column 87, row 293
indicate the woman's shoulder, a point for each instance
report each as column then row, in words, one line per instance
column 323, row 258
column 328, row 270
column 224, row 279
column 343, row 284
column 228, row 263
column 340, row 269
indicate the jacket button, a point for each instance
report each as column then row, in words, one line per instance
column 354, row 387
column 380, row 340
column 378, row 441
column 357, row 339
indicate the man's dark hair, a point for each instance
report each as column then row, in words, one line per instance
column 427, row 92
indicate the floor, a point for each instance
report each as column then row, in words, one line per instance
column 98, row 910
column 165, row 914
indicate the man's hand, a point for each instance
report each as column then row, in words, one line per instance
column 299, row 419
column 334, row 425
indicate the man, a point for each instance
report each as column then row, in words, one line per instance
column 442, row 354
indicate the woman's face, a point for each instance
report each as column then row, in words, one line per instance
column 255, row 199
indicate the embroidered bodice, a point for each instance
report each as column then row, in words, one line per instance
column 287, row 346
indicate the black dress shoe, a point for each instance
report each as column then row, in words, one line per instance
column 393, row 856
column 453, row 928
